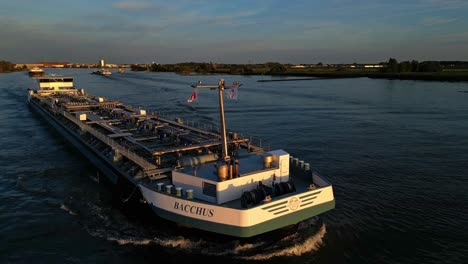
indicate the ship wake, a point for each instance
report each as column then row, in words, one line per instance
column 297, row 244
column 142, row 230
column 110, row 224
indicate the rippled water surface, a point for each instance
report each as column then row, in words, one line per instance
column 395, row 151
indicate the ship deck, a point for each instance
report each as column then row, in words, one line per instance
column 154, row 143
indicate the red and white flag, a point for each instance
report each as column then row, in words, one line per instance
column 232, row 93
column 193, row 97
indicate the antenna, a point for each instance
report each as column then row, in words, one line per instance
column 221, row 86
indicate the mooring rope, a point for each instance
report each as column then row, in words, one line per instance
column 126, row 200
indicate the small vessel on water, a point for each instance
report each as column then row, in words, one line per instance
column 193, row 175
column 104, row 71
column 36, row 72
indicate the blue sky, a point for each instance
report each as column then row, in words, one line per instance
column 333, row 31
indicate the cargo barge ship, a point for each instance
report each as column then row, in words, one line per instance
column 208, row 179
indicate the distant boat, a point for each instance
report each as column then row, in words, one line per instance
column 105, row 72
column 121, row 70
column 36, row 72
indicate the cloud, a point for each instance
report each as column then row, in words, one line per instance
column 229, row 19
column 431, row 21
column 459, row 38
column 191, row 18
column 446, row 4
column 131, row 6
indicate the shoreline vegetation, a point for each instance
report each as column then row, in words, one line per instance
column 452, row 71
column 6, row 66
column 407, row 70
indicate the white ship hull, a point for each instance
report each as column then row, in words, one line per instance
column 242, row 222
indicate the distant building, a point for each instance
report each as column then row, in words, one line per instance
column 373, row 66
column 101, row 63
column 298, row 66
column 29, row 65
column 54, row 64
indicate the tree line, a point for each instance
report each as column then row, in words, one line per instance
column 6, row 66
column 393, row 66
column 214, row 68
column 275, row 68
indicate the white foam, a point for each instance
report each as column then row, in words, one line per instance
column 309, row 245
column 180, row 242
column 65, row 208
column 307, row 239
column 121, row 241
column 94, row 179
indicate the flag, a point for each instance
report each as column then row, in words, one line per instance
column 232, row 93
column 193, row 97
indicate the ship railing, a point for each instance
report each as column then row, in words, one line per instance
column 320, row 180
column 190, row 123
column 204, row 126
column 143, row 163
column 254, row 140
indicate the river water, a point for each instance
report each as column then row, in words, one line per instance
column 395, row 151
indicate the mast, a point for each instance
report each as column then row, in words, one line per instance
column 221, row 86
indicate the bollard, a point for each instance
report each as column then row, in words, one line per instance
column 168, row 189
column 189, row 194
column 160, row 184
column 179, row 191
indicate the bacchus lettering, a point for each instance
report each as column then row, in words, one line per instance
column 192, row 209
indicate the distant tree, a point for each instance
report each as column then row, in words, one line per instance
column 6, row 66
column 404, row 66
column 392, row 65
column 320, row 64
column 247, row 70
column 170, row 67
column 454, row 64
column 186, row 69
column 135, row 67
column 278, row 69
column 272, row 64
column 234, row 70
column 430, row 66
column 158, row 68
column 213, row 66
column 414, row 66
column 203, row 67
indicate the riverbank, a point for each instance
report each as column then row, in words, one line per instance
column 461, row 76
column 426, row 76
column 335, row 72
